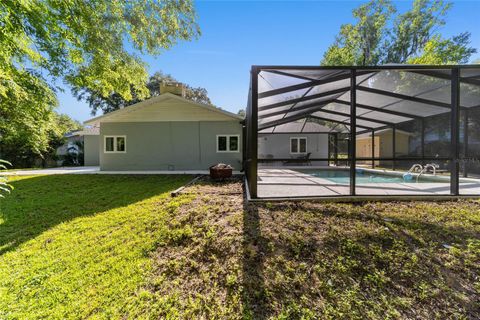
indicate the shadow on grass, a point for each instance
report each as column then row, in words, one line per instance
column 348, row 259
column 254, row 295
column 42, row 202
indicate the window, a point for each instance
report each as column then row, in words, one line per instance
column 298, row 145
column 109, row 143
column 115, row 144
column 121, row 144
column 228, row 143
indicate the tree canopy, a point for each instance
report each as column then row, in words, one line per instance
column 88, row 44
column 19, row 145
column 115, row 101
column 381, row 35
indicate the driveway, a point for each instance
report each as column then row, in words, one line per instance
column 60, row 170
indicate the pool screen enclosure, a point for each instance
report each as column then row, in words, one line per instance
column 363, row 132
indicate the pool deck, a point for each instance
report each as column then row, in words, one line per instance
column 282, row 183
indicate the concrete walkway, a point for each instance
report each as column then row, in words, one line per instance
column 48, row 171
column 95, row 170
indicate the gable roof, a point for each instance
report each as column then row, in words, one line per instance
column 303, row 126
column 166, row 107
column 93, row 131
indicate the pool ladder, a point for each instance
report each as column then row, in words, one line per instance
column 423, row 169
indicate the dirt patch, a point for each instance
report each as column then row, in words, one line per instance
column 225, row 259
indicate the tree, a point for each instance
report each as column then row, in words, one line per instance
column 60, row 125
column 89, row 44
column 17, row 148
column 242, row 113
column 115, row 101
column 446, row 51
column 382, row 36
column 362, row 44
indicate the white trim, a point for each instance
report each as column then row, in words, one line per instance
column 298, row 145
column 114, row 143
column 228, row 136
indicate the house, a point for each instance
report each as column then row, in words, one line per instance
column 88, row 137
column 383, row 145
column 168, row 132
column 294, row 140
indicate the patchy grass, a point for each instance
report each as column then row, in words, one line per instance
column 118, row 247
column 315, row 261
column 77, row 246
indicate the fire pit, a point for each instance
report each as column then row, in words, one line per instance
column 221, row 171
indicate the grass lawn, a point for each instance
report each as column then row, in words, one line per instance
column 78, row 246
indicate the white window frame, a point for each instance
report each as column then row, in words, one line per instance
column 114, row 144
column 298, row 145
column 228, row 143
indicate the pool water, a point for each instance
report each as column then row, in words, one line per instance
column 362, row 176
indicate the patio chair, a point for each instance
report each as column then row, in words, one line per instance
column 304, row 159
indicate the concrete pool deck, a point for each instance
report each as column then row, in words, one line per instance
column 283, row 183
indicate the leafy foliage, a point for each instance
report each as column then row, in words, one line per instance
column 115, row 101
column 83, row 43
column 445, row 51
column 362, row 44
column 4, row 186
column 382, row 36
column 26, row 145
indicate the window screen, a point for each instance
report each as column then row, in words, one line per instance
column 109, row 144
column 222, row 143
column 120, row 144
column 233, row 143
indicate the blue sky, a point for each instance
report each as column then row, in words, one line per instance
column 238, row 34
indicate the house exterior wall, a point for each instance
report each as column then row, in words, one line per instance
column 91, row 150
column 277, row 146
column 172, row 145
column 364, row 149
column 383, row 147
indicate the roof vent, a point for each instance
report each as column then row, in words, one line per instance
column 176, row 88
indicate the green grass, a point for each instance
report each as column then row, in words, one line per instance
column 310, row 260
column 77, row 246
column 117, row 247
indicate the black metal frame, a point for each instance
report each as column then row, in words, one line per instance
column 345, row 73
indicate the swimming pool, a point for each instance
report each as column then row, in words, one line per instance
column 365, row 176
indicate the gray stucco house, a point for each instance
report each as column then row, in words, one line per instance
column 168, row 132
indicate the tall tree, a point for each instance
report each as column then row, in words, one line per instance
column 115, row 101
column 380, row 35
column 17, row 145
column 362, row 43
column 90, row 44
